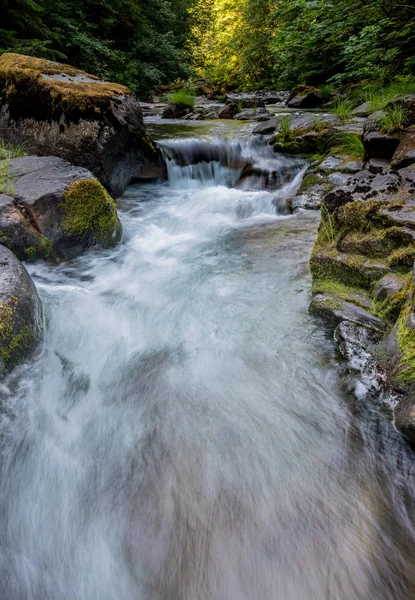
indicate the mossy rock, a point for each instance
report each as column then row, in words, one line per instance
column 90, row 211
column 59, row 110
column 352, row 270
column 336, row 310
column 379, row 243
column 21, row 323
column 58, row 210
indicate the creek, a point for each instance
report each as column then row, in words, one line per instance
column 186, row 432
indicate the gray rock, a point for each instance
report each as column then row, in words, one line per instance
column 228, row 111
column 338, row 310
column 266, row 127
column 361, row 111
column 374, row 121
column 342, row 165
column 21, row 323
column 307, row 201
column 405, row 152
column 356, row 343
column 95, row 125
column 305, row 100
column 380, row 145
column 405, row 416
column 245, row 100
column 176, row 111
column 378, row 166
column 57, row 210
column 258, row 114
column 388, row 286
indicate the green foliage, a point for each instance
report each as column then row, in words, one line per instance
column 327, row 91
column 394, row 119
column 182, row 98
column 139, row 44
column 248, row 43
column 348, row 144
column 379, row 98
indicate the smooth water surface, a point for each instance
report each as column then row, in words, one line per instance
column 186, row 433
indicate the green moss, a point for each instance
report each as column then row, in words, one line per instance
column 363, row 215
column 381, row 243
column 19, row 346
column 390, row 309
column 352, row 270
column 47, row 247
column 309, row 181
column 406, row 338
column 4, row 237
column 90, row 211
column 19, row 73
column 402, row 258
column 30, row 253
column 340, row 290
column 12, row 346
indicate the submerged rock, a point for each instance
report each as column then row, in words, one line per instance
column 59, row 110
column 21, row 323
column 57, row 210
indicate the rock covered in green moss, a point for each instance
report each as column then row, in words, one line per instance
column 57, row 210
column 305, row 133
column 21, row 323
column 59, row 110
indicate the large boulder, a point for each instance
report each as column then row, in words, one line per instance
column 54, row 209
column 380, row 145
column 20, row 312
column 305, row 97
column 59, row 110
column 228, row 111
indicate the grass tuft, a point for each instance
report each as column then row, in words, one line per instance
column 349, row 144
column 182, row 98
column 8, row 151
column 394, row 119
column 342, row 109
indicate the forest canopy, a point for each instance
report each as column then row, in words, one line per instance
column 236, row 44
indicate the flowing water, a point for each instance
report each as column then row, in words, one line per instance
column 186, row 432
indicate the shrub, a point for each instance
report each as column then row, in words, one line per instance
column 326, row 92
column 182, row 98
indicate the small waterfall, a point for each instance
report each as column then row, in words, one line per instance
column 246, row 165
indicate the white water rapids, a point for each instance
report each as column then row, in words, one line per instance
column 186, row 433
